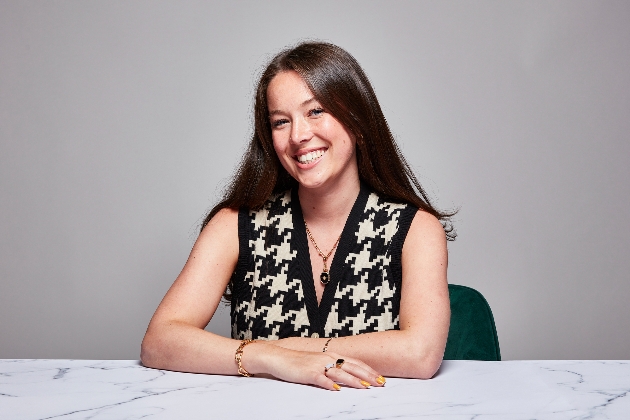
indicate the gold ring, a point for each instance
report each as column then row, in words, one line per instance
column 339, row 363
column 328, row 366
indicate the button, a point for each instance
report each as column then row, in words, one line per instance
column 314, row 335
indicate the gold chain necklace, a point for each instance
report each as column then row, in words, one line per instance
column 324, row 278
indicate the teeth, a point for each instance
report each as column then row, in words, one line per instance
column 311, row 156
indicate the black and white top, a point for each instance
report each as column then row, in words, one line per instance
column 273, row 294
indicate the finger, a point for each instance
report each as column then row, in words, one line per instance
column 358, row 371
column 368, row 374
column 355, row 361
column 326, row 383
column 339, row 375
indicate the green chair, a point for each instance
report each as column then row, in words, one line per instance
column 472, row 335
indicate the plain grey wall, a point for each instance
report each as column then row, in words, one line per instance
column 121, row 120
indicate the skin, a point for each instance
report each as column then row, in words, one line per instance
column 330, row 184
column 328, row 187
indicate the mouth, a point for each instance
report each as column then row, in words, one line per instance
column 310, row 156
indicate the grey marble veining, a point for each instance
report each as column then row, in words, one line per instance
column 82, row 389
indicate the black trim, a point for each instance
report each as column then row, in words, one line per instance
column 244, row 256
column 338, row 265
column 404, row 223
column 318, row 314
column 302, row 263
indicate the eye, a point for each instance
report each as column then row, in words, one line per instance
column 316, row 112
column 279, row 123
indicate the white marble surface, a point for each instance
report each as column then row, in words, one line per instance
column 82, row 389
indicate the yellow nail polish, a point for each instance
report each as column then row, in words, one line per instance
column 365, row 384
column 337, row 387
column 381, row 380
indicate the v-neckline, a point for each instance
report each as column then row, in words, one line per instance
column 317, row 314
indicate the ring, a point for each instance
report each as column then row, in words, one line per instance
column 339, row 363
column 328, row 366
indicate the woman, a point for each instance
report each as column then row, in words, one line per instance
column 335, row 266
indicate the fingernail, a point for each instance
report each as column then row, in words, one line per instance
column 337, row 387
column 365, row 384
column 381, row 380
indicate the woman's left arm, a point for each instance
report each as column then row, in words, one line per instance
column 416, row 350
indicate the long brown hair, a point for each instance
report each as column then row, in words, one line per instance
column 339, row 84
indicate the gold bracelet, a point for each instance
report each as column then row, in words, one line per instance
column 326, row 345
column 239, row 355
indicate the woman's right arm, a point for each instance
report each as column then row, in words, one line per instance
column 176, row 339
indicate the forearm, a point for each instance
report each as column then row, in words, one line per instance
column 186, row 348
column 181, row 347
column 394, row 353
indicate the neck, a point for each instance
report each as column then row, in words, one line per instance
column 331, row 205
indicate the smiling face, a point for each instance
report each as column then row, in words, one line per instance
column 312, row 145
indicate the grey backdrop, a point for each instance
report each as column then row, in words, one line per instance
column 120, row 121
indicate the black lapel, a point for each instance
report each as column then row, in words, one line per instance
column 317, row 315
column 338, row 268
column 302, row 263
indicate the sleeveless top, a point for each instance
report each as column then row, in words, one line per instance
column 273, row 294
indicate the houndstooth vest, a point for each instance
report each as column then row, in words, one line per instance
column 273, row 290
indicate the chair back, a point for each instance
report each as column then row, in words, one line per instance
column 472, row 334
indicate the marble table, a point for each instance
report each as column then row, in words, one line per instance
column 83, row 389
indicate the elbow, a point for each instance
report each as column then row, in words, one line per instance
column 149, row 352
column 428, row 366
column 423, row 363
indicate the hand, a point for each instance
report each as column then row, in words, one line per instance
column 309, row 367
column 352, row 372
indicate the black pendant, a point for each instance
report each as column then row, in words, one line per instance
column 324, row 278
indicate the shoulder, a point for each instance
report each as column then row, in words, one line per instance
column 382, row 211
column 275, row 201
column 395, row 214
column 425, row 237
column 222, row 227
column 427, row 225
column 282, row 199
column 278, row 205
column 215, row 253
column 225, row 216
column 378, row 201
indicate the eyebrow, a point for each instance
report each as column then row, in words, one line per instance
column 306, row 102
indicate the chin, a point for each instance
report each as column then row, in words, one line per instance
column 310, row 179
column 310, row 184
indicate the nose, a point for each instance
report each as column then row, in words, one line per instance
column 300, row 130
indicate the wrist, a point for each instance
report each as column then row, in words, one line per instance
column 326, row 344
column 238, row 358
column 300, row 343
column 256, row 357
